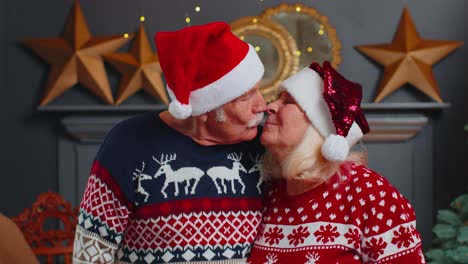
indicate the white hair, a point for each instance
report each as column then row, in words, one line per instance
column 220, row 114
column 307, row 162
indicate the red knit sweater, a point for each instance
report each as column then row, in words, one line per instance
column 364, row 219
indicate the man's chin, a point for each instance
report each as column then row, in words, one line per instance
column 251, row 133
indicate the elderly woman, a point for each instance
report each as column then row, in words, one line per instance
column 323, row 205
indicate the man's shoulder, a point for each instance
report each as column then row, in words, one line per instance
column 128, row 133
column 138, row 121
column 134, row 126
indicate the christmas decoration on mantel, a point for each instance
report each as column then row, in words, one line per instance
column 76, row 58
column 140, row 69
column 409, row 59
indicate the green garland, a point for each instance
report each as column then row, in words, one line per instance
column 450, row 245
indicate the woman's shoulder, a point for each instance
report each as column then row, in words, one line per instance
column 362, row 176
column 374, row 191
column 370, row 185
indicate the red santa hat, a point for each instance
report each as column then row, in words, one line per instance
column 333, row 106
column 205, row 67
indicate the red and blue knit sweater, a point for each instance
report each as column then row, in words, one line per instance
column 156, row 196
column 361, row 220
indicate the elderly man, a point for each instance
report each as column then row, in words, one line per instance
column 181, row 186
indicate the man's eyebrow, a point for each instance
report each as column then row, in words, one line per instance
column 248, row 93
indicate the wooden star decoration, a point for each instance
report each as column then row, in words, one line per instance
column 409, row 59
column 140, row 69
column 76, row 58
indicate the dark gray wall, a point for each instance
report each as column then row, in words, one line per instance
column 29, row 138
column 28, row 141
column 3, row 26
column 451, row 145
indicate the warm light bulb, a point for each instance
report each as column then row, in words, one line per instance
column 321, row 31
column 298, row 53
column 187, row 20
column 142, row 18
column 255, row 20
column 126, row 35
column 257, row 48
column 298, row 9
column 197, row 8
column 309, row 49
column 242, row 37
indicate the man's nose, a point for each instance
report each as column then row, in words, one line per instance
column 260, row 105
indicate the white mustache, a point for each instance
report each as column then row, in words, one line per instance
column 256, row 120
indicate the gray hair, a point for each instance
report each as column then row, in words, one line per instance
column 220, row 114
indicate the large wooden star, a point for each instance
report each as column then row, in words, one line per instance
column 140, row 69
column 409, row 59
column 76, row 58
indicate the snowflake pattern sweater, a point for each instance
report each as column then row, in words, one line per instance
column 364, row 219
column 156, row 196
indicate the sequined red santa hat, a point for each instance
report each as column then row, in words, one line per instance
column 205, row 67
column 333, row 106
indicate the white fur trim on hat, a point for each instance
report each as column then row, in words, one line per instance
column 306, row 87
column 236, row 82
column 180, row 111
column 335, row 148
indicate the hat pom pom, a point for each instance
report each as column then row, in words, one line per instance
column 180, row 111
column 335, row 148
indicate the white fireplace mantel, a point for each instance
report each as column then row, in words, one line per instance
column 387, row 121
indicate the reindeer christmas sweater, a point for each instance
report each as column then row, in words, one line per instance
column 361, row 220
column 156, row 196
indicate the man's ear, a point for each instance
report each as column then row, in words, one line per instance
column 202, row 118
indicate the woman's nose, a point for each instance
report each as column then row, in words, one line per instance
column 272, row 108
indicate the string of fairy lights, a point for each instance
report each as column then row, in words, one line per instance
column 142, row 19
column 196, row 9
